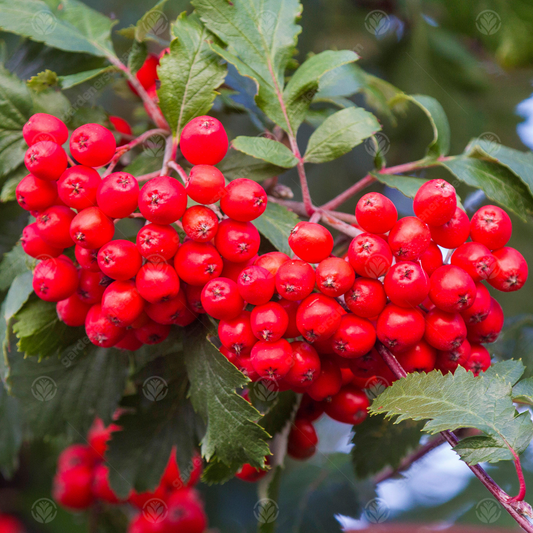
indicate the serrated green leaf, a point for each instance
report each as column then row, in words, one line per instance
column 71, row 80
column 137, row 56
column 13, row 263
column 232, row 433
column 510, row 371
column 239, row 165
column 11, row 434
column 407, row 185
column 461, row 400
column 189, row 74
column 339, row 133
column 43, row 80
column 378, row 443
column 496, row 181
column 523, row 391
column 276, row 224
column 218, row 473
column 268, row 150
column 279, row 414
column 439, row 122
column 343, row 81
column 154, row 21
column 9, row 188
column 72, row 26
column 18, row 294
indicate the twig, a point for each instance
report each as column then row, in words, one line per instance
column 315, row 217
column 179, row 169
column 346, row 217
column 149, row 176
column 167, row 157
column 339, row 225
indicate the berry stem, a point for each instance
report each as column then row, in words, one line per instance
column 149, row 176
column 339, row 225
column 179, row 169
column 168, row 156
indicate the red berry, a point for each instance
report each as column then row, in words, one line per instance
column 172, row 475
column 121, row 126
column 35, row 246
column 309, row 409
column 72, row 311
column 406, row 284
column 100, row 330
column 99, row 435
column 237, row 241
column 117, row 195
column 334, row 277
column 435, row 202
column 91, row 228
column 157, row 282
column 451, row 289
column 444, row 331
column 43, row 127
column 174, row 311
column 233, row 270
column 205, row 184
column 431, row 259
column 318, row 317
column 475, row 259
column 121, row 303
column 350, row 405
column 311, row 242
column 305, row 367
column 46, row 160
column 204, row 141
column 91, row 286
column 491, row 226
column 244, row 200
column 185, row 513
column 157, row 243
column 366, row 298
column 370, row 256
column 73, row 489
column 370, row 370
column 256, row 285
column 54, row 224
column 55, row 280
column 152, row 332
column 119, row 259
column 77, row 187
column 454, row 232
column 354, row 337
column 74, row 456
column 221, row 299
column 448, row 361
column 244, row 364
column 92, row 145
column 409, row 239
column 302, row 440
column 291, row 308
column 147, row 74
column 87, row 259
column 272, row 360
column 193, row 294
column 376, row 213
column 295, row 280
column 129, row 342
column 236, row 334
column 197, row 263
column 200, row 223
column 34, row 194
column 328, row 383
column 511, row 270
column 481, row 307
column 479, row 359
column 272, row 261
column 250, row 474
column 101, row 488
column 399, row 328
column 162, row 200
column 489, row 329
column 419, row 358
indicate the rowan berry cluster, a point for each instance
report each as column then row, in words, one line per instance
column 82, row 479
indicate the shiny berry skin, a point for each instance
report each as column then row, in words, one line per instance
column 72, row 311
column 198, row 262
column 250, row 474
column 302, row 440
column 435, row 202
column 121, row 303
column 129, row 342
column 87, row 259
column 305, row 367
column 77, row 187
column 481, row 307
column 311, row 242
column 73, row 489
column 147, row 74
column 409, row 239
column 117, row 195
column 54, row 224
column 454, row 232
column 120, row 125
column 431, row 259
column 491, row 226
column 237, row 241
column 272, row 261
column 119, row 259
column 366, row 298
column 233, row 270
column 511, row 270
column 244, row 364
column 91, row 286
column 162, row 200
column 272, row 360
column 34, row 246
column 152, row 332
column 157, row 282
column 295, row 280
column 406, row 284
column 448, row 361
column 157, row 243
column 444, row 331
column 91, row 228
column 236, row 334
column 291, row 308
column 204, row 141
column 350, row 406
column 34, row 194
column 55, row 280
column 419, row 358
column 100, row 330
column 452, row 289
column 44, row 127
column 334, row 276
column 200, row 223
column 376, row 213
column 221, row 299
column 193, row 294
column 328, row 383
column 318, row 317
column 479, row 359
column 475, row 259
column 46, row 160
column 175, row 311
column 256, row 285
column 489, row 329
column 309, row 409
column 205, row 184
column 244, row 200
column 92, row 145
column 399, row 328
column 354, row 337
column 370, row 369
column 370, row 256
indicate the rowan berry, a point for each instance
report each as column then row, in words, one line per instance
column 272, row 261
column 309, row 409
column 237, row 241
column 370, row 256
column 399, row 328
column 302, row 440
column 152, row 332
column 328, row 383
column 272, row 360
column 73, row 489
column 157, row 282
column 318, row 317
column 354, row 337
column 479, row 359
column 55, row 280
column 291, row 308
column 444, row 331
column 35, row 246
column 100, row 330
column 91, row 228
column 244, row 364
column 366, row 298
column 236, row 334
column 295, row 280
column 489, row 329
column 419, row 358
column 46, row 160
column 34, row 194
column 311, row 242
column 198, row 262
column 334, row 276
column 100, row 487
column 147, row 74
column 350, row 405
column 475, row 259
column 92, row 285
column 44, row 127
column 431, row 259
column 121, row 126
column 193, row 293
column 86, row 258
column 305, row 367
column 435, row 202
column 376, row 213
column 491, row 226
column 409, row 239
column 185, row 512
column 511, row 270
column 92, row 145
column 77, row 187
column 454, row 232
column 448, row 361
column 250, row 474
column 74, row 456
column 157, row 243
column 256, row 285
column 53, row 226
column 120, row 259
column 244, row 200
column 204, row 141
column 480, row 308
column 121, row 303
column 162, row 200
column 452, row 289
column 117, row 195
column 175, row 311
column 205, row 184
column 72, row 311
column 99, row 435
column 406, row 284
column 221, row 299
column 200, row 223
column 233, row 270
column 129, row 342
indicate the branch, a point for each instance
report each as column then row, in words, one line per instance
column 149, row 176
column 179, row 169
column 169, row 155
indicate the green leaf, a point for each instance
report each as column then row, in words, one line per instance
column 276, row 224
column 150, row 159
column 11, row 434
column 306, row 81
column 523, row 391
column 18, row 294
column 218, row 473
column 378, row 443
column 439, row 122
column 461, row 400
column 71, row 80
column 154, row 22
column 340, row 133
column 496, row 181
column 268, row 150
column 43, row 80
column 516, row 340
column 280, row 412
column 189, row 74
column 9, row 188
column 232, row 433
column 261, row 39
column 407, row 185
column 72, row 26
column 13, row 263
column 510, row 371
column 137, row 56
column 240, row 165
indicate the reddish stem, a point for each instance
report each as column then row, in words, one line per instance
column 146, row 177
column 179, row 169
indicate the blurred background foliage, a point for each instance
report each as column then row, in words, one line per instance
column 432, row 47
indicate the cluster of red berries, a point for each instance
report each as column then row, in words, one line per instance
column 82, row 478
